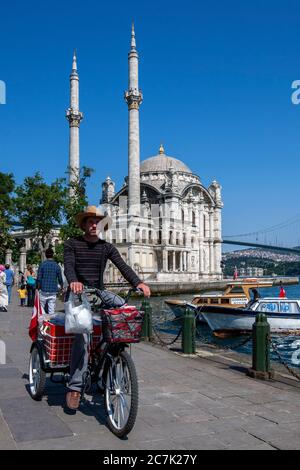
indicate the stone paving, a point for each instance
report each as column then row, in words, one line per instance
column 185, row 403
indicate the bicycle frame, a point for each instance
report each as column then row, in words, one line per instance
column 109, row 365
column 99, row 354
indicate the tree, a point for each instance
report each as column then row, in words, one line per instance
column 39, row 206
column 75, row 202
column 7, row 186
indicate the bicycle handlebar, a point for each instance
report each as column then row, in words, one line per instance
column 95, row 290
column 133, row 289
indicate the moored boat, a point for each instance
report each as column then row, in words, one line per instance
column 282, row 314
column 178, row 306
column 236, row 294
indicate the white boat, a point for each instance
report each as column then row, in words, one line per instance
column 235, row 295
column 282, row 314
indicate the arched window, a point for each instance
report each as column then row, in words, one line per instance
column 137, row 235
column 182, row 216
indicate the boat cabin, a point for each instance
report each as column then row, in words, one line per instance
column 236, row 294
column 276, row 305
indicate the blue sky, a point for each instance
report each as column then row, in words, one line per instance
column 216, row 78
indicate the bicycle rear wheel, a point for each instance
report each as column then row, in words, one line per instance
column 37, row 376
column 121, row 394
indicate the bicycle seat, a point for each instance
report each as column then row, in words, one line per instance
column 110, row 299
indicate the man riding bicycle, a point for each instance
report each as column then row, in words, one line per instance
column 85, row 259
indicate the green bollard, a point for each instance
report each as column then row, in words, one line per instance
column 188, row 332
column 261, row 368
column 147, row 322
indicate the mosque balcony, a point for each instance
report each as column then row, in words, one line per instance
column 133, row 95
column 74, row 115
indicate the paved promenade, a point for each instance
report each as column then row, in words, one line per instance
column 185, row 403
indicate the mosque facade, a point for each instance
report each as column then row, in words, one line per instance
column 165, row 222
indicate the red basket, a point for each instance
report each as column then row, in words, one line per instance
column 123, row 325
column 59, row 345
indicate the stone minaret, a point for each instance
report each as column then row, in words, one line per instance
column 74, row 117
column 134, row 98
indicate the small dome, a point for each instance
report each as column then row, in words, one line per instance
column 163, row 163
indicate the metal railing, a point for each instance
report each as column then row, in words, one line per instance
column 262, row 342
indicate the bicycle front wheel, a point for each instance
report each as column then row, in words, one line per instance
column 121, row 394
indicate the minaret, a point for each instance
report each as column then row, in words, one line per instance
column 74, row 117
column 134, row 98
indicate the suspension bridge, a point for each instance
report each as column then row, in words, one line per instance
column 226, row 241
column 270, row 238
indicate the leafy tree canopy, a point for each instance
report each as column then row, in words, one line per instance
column 7, row 186
column 39, row 206
column 75, row 202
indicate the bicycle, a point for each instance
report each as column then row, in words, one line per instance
column 110, row 366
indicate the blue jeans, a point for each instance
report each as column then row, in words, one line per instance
column 79, row 362
column 9, row 289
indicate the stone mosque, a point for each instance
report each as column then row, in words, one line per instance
column 166, row 223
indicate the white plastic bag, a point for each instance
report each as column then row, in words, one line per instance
column 78, row 317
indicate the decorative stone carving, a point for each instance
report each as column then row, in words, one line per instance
column 108, row 191
column 133, row 99
column 74, row 117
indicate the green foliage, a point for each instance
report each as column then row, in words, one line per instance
column 39, row 206
column 7, row 186
column 75, row 202
column 33, row 257
column 17, row 245
column 59, row 253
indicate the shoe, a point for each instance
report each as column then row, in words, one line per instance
column 73, row 400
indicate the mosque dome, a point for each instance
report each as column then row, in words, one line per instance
column 163, row 163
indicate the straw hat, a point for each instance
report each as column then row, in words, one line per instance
column 92, row 211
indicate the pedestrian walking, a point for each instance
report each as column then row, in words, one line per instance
column 30, row 285
column 22, row 294
column 3, row 290
column 10, row 280
column 48, row 279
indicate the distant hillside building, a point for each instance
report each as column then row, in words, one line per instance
column 251, row 272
